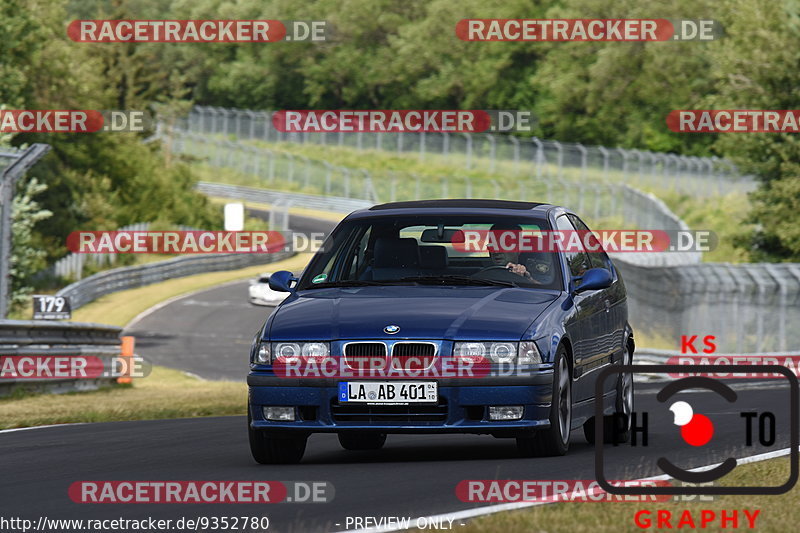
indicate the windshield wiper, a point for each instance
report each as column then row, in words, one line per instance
column 349, row 283
column 454, row 279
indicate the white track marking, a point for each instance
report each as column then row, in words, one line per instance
column 168, row 301
column 457, row 516
column 42, row 427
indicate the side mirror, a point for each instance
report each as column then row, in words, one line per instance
column 593, row 279
column 281, row 281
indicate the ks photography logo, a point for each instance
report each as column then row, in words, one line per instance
column 697, row 429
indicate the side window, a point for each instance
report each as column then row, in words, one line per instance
column 598, row 259
column 577, row 260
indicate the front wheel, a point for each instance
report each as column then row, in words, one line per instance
column 616, row 427
column 269, row 449
column 555, row 439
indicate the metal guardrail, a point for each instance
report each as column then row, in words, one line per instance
column 120, row 279
column 71, row 265
column 45, row 338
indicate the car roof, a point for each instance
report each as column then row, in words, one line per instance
column 455, row 206
column 457, row 203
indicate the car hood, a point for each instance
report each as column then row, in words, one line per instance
column 421, row 312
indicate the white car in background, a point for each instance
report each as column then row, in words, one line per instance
column 259, row 292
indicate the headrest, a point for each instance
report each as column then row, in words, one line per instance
column 396, row 253
column 434, row 257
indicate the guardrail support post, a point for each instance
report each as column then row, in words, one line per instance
column 10, row 176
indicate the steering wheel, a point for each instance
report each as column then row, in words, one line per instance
column 493, row 267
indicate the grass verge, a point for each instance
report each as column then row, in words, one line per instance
column 777, row 513
column 165, row 393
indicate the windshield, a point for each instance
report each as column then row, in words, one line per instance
column 428, row 250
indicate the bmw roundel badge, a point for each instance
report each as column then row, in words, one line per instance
column 391, row 329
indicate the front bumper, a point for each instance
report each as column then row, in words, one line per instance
column 462, row 406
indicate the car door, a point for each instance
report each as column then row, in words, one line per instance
column 583, row 326
column 611, row 322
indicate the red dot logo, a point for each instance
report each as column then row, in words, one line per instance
column 696, row 429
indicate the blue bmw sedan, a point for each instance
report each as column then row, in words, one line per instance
column 411, row 319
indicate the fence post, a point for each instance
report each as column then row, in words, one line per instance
column 469, row 149
column 308, row 171
column 8, row 181
column 539, row 157
column 583, row 152
column 492, row 152
column 624, row 154
column 603, row 151
column 290, row 177
column 328, row 172
column 267, row 123
column 560, row 150
column 346, row 173
column 515, row 143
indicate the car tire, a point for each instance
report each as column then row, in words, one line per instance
column 619, row 423
column 553, row 441
column 360, row 441
column 270, row 449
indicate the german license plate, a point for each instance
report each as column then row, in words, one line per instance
column 388, row 392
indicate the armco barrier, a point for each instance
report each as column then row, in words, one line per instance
column 44, row 338
column 120, row 279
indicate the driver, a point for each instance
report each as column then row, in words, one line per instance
column 511, row 260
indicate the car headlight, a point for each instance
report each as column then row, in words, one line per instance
column 528, row 353
column 262, row 353
column 286, row 352
column 524, row 353
column 291, row 352
column 316, row 351
column 503, row 352
column 470, row 351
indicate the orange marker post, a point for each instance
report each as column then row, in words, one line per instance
column 126, row 352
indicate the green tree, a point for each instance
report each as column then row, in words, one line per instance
column 26, row 257
column 757, row 66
